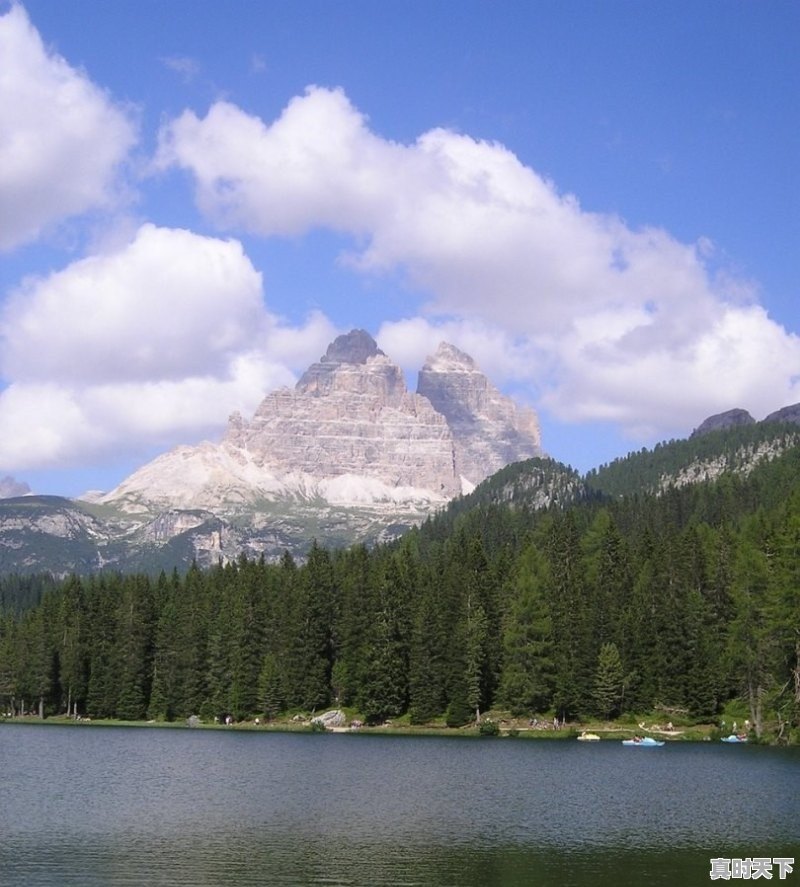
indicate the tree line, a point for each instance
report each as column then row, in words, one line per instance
column 685, row 600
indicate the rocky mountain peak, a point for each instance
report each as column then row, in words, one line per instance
column 728, row 419
column 489, row 430
column 346, row 358
column 786, row 414
column 353, row 347
column 348, row 436
column 449, row 359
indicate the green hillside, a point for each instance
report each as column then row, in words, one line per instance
column 575, row 605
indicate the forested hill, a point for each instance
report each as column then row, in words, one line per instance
column 685, row 600
column 728, row 456
column 679, row 462
column 533, row 485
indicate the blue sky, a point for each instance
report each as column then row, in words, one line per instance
column 598, row 201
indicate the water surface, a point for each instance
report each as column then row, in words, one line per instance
column 112, row 806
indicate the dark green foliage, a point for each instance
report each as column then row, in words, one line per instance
column 459, row 712
column 489, row 728
column 528, row 676
column 608, row 682
column 19, row 592
column 685, row 600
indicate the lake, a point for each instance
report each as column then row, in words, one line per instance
column 91, row 805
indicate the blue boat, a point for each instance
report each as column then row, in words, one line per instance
column 735, row 738
column 643, row 742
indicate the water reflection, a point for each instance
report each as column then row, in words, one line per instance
column 121, row 806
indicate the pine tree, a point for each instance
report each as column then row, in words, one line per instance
column 101, row 695
column 9, row 665
column 574, row 664
column 164, row 704
column 72, row 646
column 385, row 693
column 608, row 682
column 426, row 667
column 134, row 648
column 246, row 656
column 750, row 651
column 528, row 679
column 309, row 659
column 270, row 690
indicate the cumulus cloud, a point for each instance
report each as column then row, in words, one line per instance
column 316, row 166
column 62, row 139
column 498, row 353
column 168, row 304
column 615, row 323
column 154, row 342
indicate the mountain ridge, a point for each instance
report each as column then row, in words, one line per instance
column 349, row 434
column 253, row 493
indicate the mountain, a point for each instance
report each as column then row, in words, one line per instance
column 729, row 419
column 349, row 435
column 723, row 447
column 348, row 454
column 786, row 414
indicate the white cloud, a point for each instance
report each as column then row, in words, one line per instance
column 742, row 358
column 614, row 323
column 155, row 342
column 168, row 304
column 187, row 67
column 317, row 165
column 61, row 138
column 498, row 354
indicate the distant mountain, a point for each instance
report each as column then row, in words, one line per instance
column 730, row 419
column 726, row 443
column 348, row 455
column 349, row 435
column 786, row 414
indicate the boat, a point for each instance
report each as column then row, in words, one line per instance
column 645, row 742
column 735, row 737
column 588, row 737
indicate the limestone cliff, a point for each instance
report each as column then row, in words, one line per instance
column 348, row 434
column 489, row 430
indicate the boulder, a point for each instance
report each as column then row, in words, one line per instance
column 333, row 718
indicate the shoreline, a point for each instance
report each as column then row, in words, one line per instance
column 570, row 732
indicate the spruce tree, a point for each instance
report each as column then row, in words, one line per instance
column 528, row 679
column 608, row 682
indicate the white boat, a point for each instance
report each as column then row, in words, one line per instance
column 588, row 737
column 644, row 742
column 734, row 737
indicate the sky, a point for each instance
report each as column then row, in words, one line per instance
column 599, row 202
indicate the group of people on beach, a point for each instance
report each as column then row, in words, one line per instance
column 536, row 724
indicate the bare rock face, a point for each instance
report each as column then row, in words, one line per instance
column 355, row 347
column 350, row 415
column 349, row 434
column 489, row 430
column 785, row 414
column 728, row 419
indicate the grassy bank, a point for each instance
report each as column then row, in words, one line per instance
column 499, row 724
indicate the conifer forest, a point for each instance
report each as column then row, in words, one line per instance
column 686, row 600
